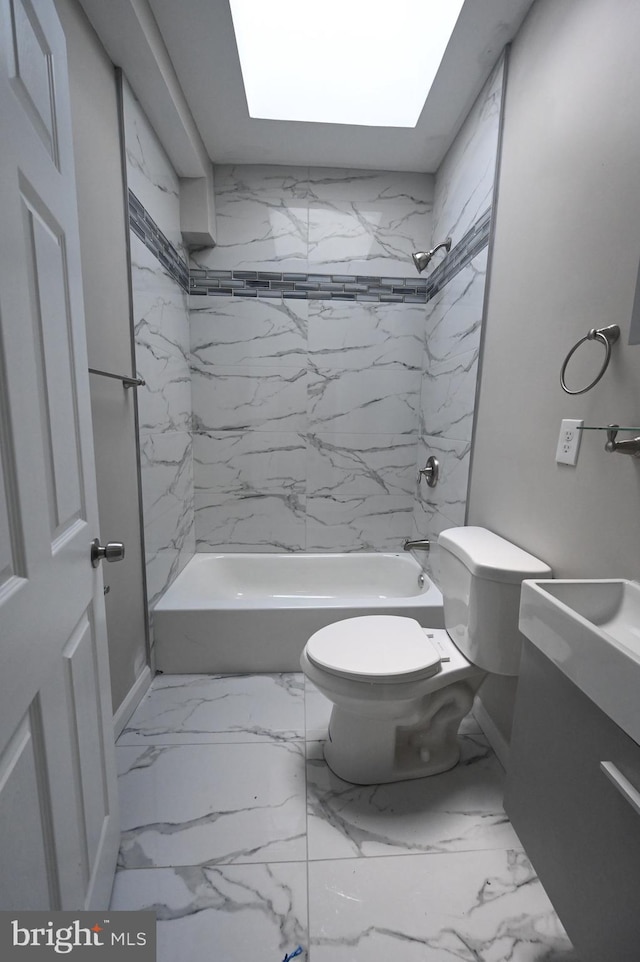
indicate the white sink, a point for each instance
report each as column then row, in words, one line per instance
column 591, row 631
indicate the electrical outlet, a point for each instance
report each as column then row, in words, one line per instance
column 569, row 441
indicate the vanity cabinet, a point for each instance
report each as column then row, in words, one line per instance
column 573, row 796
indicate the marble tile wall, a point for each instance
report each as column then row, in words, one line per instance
column 306, row 412
column 330, row 220
column 465, row 179
column 312, row 416
column 463, row 193
column 447, row 397
column 150, row 174
column 161, row 326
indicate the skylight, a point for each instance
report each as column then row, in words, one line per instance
column 363, row 62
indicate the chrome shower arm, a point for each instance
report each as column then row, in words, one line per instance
column 446, row 244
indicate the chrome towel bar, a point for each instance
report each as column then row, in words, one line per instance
column 127, row 380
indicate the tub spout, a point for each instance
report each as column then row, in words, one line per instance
column 421, row 544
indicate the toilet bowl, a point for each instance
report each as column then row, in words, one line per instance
column 396, row 714
column 399, row 690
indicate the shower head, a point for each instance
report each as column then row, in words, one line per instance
column 422, row 258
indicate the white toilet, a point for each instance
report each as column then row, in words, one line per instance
column 400, row 691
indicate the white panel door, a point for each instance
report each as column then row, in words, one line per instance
column 58, row 812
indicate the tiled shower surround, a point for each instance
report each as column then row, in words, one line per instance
column 464, row 189
column 324, row 369
column 304, row 423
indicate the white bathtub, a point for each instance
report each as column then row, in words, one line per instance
column 228, row 613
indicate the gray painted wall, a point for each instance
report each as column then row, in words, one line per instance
column 105, row 273
column 565, row 259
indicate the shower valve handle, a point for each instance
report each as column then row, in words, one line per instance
column 430, row 472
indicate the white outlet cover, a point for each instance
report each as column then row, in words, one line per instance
column 569, row 441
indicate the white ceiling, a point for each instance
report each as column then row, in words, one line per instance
column 200, row 41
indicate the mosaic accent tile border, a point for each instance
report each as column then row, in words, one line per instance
column 318, row 287
column 311, row 286
column 475, row 240
column 145, row 228
column 345, row 287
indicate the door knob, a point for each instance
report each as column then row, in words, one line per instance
column 114, row 551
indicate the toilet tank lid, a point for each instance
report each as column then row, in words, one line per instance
column 487, row 555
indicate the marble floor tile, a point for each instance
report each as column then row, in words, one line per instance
column 199, row 804
column 465, row 907
column 459, row 810
column 231, row 912
column 189, row 709
column 215, row 839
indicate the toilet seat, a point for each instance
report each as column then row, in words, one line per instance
column 375, row 648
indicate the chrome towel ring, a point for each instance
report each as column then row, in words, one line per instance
column 607, row 336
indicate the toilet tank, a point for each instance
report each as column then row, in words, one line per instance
column 480, row 579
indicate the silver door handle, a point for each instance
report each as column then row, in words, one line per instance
column 113, row 551
column 624, row 786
